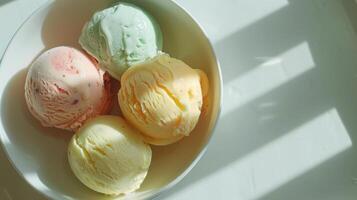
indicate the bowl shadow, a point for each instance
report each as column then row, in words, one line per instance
column 61, row 28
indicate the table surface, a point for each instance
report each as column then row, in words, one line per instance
column 288, row 125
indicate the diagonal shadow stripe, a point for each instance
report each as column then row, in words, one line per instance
column 3, row 2
column 269, row 37
column 309, row 187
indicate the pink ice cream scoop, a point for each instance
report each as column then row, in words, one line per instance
column 64, row 88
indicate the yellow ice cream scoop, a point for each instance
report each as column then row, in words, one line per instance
column 109, row 156
column 162, row 98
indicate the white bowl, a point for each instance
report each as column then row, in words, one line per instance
column 40, row 154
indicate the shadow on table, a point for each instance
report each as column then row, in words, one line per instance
column 325, row 86
column 350, row 7
column 339, row 172
column 3, row 2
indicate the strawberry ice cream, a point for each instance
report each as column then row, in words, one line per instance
column 64, row 88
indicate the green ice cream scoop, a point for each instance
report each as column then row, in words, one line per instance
column 121, row 36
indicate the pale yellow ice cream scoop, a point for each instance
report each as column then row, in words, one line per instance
column 109, row 156
column 162, row 98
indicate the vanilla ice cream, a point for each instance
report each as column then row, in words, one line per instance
column 109, row 156
column 120, row 36
column 64, row 88
column 162, row 98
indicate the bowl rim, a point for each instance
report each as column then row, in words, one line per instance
column 179, row 178
column 2, row 143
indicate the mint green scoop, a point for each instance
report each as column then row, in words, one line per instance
column 121, row 36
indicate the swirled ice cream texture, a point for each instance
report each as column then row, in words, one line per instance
column 64, row 88
column 121, row 36
column 162, row 98
column 109, row 156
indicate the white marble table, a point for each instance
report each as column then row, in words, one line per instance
column 289, row 122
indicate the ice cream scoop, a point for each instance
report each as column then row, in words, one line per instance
column 109, row 156
column 120, row 36
column 162, row 98
column 64, row 88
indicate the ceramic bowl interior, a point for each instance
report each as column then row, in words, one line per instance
column 40, row 154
